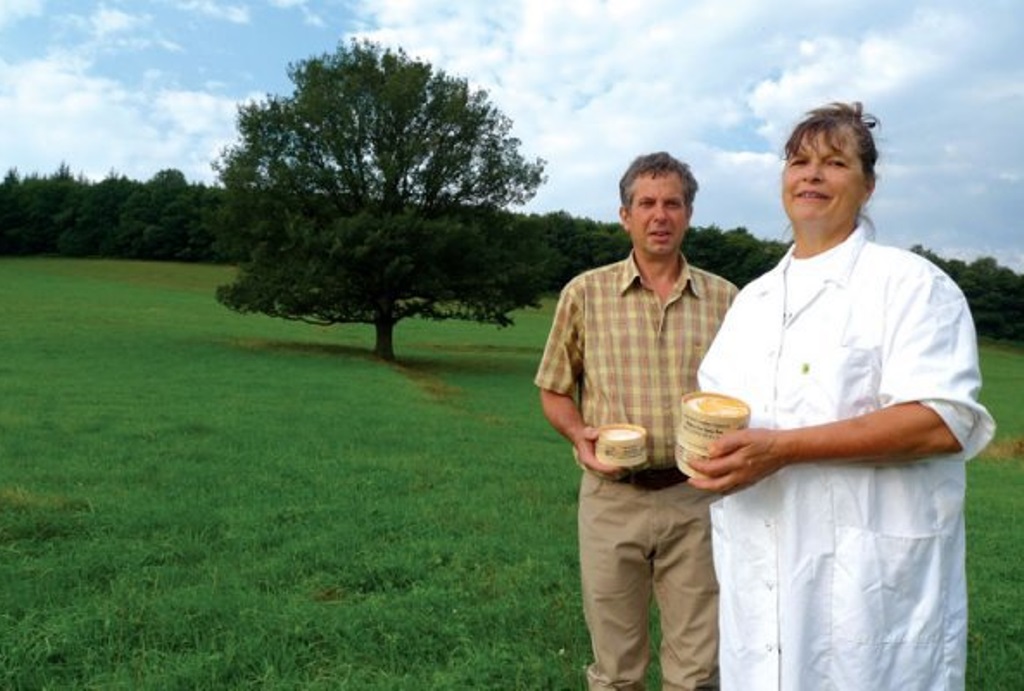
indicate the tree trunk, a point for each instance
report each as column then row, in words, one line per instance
column 384, row 348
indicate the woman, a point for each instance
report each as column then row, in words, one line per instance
column 839, row 543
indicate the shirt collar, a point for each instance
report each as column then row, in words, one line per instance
column 629, row 276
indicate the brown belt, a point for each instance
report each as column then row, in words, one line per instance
column 654, row 478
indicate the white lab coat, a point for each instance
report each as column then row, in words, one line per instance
column 848, row 576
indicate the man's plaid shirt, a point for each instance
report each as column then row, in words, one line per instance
column 627, row 357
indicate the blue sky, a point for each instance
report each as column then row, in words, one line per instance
column 138, row 86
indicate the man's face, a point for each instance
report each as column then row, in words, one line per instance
column 658, row 217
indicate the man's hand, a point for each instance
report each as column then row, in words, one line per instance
column 585, row 445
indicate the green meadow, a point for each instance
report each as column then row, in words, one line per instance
column 195, row 499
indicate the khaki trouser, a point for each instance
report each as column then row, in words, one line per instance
column 635, row 543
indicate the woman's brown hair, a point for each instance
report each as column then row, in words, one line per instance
column 837, row 122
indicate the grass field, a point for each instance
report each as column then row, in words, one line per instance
column 193, row 499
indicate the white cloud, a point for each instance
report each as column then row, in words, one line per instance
column 234, row 13
column 588, row 85
column 12, row 11
column 135, row 133
column 106, row 22
column 310, row 16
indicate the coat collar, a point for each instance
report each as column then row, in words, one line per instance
column 840, row 261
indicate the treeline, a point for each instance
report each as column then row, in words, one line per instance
column 169, row 219
column 165, row 218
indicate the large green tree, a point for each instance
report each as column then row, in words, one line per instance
column 378, row 191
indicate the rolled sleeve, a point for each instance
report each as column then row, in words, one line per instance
column 971, row 427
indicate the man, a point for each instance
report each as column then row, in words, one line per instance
column 624, row 346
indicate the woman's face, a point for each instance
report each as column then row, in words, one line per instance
column 823, row 191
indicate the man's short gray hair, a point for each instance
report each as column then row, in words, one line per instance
column 659, row 163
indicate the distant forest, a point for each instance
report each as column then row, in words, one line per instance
column 167, row 218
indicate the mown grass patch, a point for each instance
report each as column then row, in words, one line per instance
column 190, row 498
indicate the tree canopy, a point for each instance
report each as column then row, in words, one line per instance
column 379, row 190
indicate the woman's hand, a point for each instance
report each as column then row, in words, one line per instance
column 737, row 460
column 898, row 434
